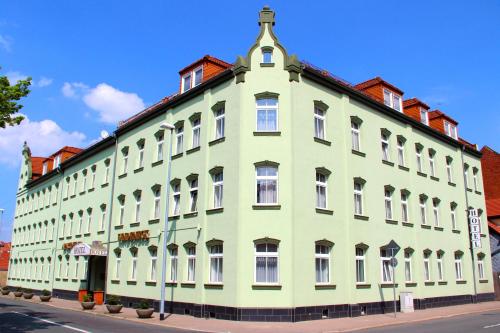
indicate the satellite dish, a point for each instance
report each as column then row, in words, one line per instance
column 104, row 134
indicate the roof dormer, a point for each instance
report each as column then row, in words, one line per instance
column 383, row 92
column 416, row 109
column 443, row 123
column 200, row 71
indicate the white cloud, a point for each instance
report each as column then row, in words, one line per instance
column 14, row 76
column 44, row 138
column 112, row 104
column 73, row 89
column 5, row 43
column 44, row 82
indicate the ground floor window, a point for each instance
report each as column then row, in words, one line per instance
column 322, row 260
column 266, row 263
column 360, row 265
column 216, row 258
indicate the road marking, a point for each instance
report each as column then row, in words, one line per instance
column 490, row 326
column 51, row 322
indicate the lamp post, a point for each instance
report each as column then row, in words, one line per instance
column 166, row 126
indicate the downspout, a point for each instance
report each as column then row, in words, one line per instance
column 54, row 233
column 108, row 244
column 468, row 225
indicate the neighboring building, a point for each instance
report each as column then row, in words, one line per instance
column 4, row 262
column 287, row 185
column 490, row 163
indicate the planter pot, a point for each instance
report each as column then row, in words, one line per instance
column 114, row 308
column 144, row 313
column 28, row 295
column 18, row 293
column 98, row 297
column 45, row 298
column 5, row 292
column 87, row 305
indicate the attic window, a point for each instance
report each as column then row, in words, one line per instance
column 450, row 129
column 192, row 79
column 44, row 170
column 57, row 161
column 424, row 116
column 392, row 100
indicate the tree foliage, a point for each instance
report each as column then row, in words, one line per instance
column 9, row 100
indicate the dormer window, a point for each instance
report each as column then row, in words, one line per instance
column 57, row 161
column 424, row 116
column 186, row 82
column 198, row 76
column 44, row 170
column 192, row 79
column 392, row 100
column 450, row 129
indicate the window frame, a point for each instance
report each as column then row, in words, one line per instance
column 266, row 178
column 319, row 118
column 322, row 257
column 217, row 257
column 360, row 260
column 267, row 109
column 266, row 254
column 321, row 185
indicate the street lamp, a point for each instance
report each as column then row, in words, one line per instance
column 166, row 126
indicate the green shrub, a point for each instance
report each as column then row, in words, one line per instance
column 114, row 300
column 28, row 291
column 19, row 289
column 143, row 304
column 46, row 292
column 87, row 298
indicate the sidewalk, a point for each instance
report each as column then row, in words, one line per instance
column 315, row 326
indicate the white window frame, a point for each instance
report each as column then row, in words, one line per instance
column 106, row 174
column 355, row 136
column 321, row 184
column 360, row 263
column 121, row 215
column 475, row 181
column 449, row 170
column 266, row 255
column 176, row 199
column 453, row 216
column 435, row 211
column 424, row 116
column 156, row 203
column 191, row 264
column 216, row 258
column 57, row 161
column 140, row 155
column 160, row 139
column 220, row 123
column 193, row 195
column 427, row 267
column 319, row 123
column 393, row 100
column 267, row 108
column 384, row 141
column 408, row 266
column 385, row 267
column 423, row 210
column 321, row 256
column 218, row 189
column 401, row 152
column 133, row 265
column 266, row 179
column 153, row 264
column 92, row 179
column 196, row 132
column 405, row 213
column 118, row 260
column 440, row 266
column 138, row 202
column 418, row 153
column 432, row 165
column 179, row 139
column 103, row 218
column 480, row 268
column 458, row 267
column 389, row 212
column 124, row 161
column 358, row 199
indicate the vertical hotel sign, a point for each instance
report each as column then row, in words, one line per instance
column 475, row 229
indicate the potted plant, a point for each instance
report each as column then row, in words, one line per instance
column 98, row 296
column 5, row 290
column 114, row 304
column 28, row 293
column 18, row 292
column 87, row 303
column 143, row 309
column 45, row 296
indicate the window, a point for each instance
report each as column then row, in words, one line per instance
column 355, row 136
column 103, row 217
column 458, row 266
column 404, row 208
column 219, row 123
column 450, row 129
column 215, row 257
column 408, row 269
column 423, row 210
column 124, row 161
column 133, row 266
column 358, row 198
column 156, row 203
column 44, row 168
column 267, row 56
column 60, row 269
column 198, row 76
column 106, row 173
column 138, row 201
column 140, row 156
column 176, row 198
column 322, row 260
column 319, row 123
column 480, row 266
column 80, row 223
column 419, row 159
column 385, row 262
column 385, row 147
column 449, row 171
column 193, row 195
column 70, row 226
column 84, row 181
column 186, row 82
column 440, row 267
column 191, row 264
column 66, row 272
column 57, row 161
column 159, row 146
column 77, row 267
column 427, row 266
column 73, row 189
column 424, row 116
column 453, row 215
column 179, row 136
column 321, row 190
column 218, row 184
column 431, row 164
column 466, row 176
column 360, row 265
column 435, row 211
column 266, row 263
column 267, row 114
column 474, row 179
column 122, row 210
column 196, row 133
column 401, row 152
column 154, row 259
column 89, row 221
column 392, row 100
column 92, row 178
column 267, row 185
column 388, row 204
column 118, row 260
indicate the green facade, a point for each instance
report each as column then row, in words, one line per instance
column 293, row 223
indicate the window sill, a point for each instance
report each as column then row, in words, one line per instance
column 115, row 281
column 439, row 228
column 425, row 226
column 266, row 207
column 65, row 279
column 324, row 211
column 410, row 284
column 429, row 283
column 455, row 231
column 174, row 217
column 483, row 281
column 469, row 190
column 86, row 234
column 74, row 280
column 264, row 286
column 71, row 196
column 434, row 178
column 139, row 170
column 478, row 192
column 104, row 185
column 407, row 224
column 321, row 286
column 267, row 64
column 190, row 214
column 402, row 167
column 461, row 281
column 323, row 141
column 57, row 279
column 363, row 285
column 192, row 150
column 135, row 224
column 123, row 175
column 422, row 174
column 357, row 152
column 214, row 210
column 176, row 156
column 82, row 192
column 91, row 189
column 389, row 163
column 452, row 184
column 387, row 285
column 156, row 163
column 361, row 217
column 100, row 232
column 391, row 221
column 154, row 221
column 132, row 282
column 188, row 284
column 78, row 236
column 267, row 133
column 214, row 285
column 216, row 141
column 119, row 226
column 442, row 283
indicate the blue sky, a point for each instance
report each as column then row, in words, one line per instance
column 95, row 62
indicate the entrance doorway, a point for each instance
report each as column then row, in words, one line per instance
column 96, row 273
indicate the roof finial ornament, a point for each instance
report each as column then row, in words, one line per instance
column 26, row 150
column 266, row 15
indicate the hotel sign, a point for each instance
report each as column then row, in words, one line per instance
column 133, row 236
column 475, row 228
column 83, row 249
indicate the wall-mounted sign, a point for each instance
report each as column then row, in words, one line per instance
column 132, row 236
column 475, row 228
column 96, row 249
column 81, row 249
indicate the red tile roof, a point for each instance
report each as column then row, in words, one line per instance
column 414, row 101
column 375, row 81
column 204, row 59
column 493, row 207
column 36, row 166
column 494, row 227
column 437, row 114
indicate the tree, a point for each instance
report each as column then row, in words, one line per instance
column 9, row 97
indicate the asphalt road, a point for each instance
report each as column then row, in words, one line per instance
column 17, row 317
column 484, row 322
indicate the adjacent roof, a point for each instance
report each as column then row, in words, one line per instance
column 414, row 101
column 495, row 227
column 204, row 59
column 493, row 207
column 375, row 81
column 437, row 114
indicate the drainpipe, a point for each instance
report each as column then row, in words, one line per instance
column 108, row 244
column 468, row 225
column 55, row 231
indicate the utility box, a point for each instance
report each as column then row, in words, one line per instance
column 406, row 301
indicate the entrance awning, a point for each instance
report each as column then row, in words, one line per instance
column 83, row 249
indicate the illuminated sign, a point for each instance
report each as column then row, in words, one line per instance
column 475, row 228
column 132, row 236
